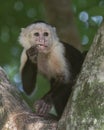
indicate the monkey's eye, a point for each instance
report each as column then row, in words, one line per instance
column 36, row 34
column 45, row 33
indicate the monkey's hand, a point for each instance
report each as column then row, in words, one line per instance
column 32, row 53
column 43, row 106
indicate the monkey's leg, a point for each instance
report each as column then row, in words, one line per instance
column 60, row 97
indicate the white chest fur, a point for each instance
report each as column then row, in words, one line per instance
column 53, row 64
column 43, row 66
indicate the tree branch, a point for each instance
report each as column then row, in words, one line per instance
column 14, row 112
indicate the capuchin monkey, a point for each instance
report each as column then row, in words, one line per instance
column 59, row 62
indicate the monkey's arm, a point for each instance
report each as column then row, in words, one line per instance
column 29, row 71
column 28, row 74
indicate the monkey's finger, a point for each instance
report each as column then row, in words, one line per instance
column 45, row 108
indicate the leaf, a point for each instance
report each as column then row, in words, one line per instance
column 96, row 11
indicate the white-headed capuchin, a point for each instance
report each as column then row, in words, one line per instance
column 59, row 62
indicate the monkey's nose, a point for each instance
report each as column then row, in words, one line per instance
column 42, row 40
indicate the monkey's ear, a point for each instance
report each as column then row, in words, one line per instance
column 22, row 29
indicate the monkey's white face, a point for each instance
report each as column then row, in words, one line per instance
column 40, row 35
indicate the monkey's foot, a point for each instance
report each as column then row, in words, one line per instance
column 42, row 107
column 32, row 53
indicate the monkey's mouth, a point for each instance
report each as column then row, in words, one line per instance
column 42, row 45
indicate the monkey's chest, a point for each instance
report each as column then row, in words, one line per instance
column 44, row 68
column 47, row 67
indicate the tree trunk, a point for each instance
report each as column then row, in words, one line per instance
column 60, row 14
column 85, row 108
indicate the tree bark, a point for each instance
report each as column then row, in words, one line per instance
column 60, row 14
column 85, row 108
column 14, row 112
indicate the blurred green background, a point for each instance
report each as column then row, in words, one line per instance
column 15, row 14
